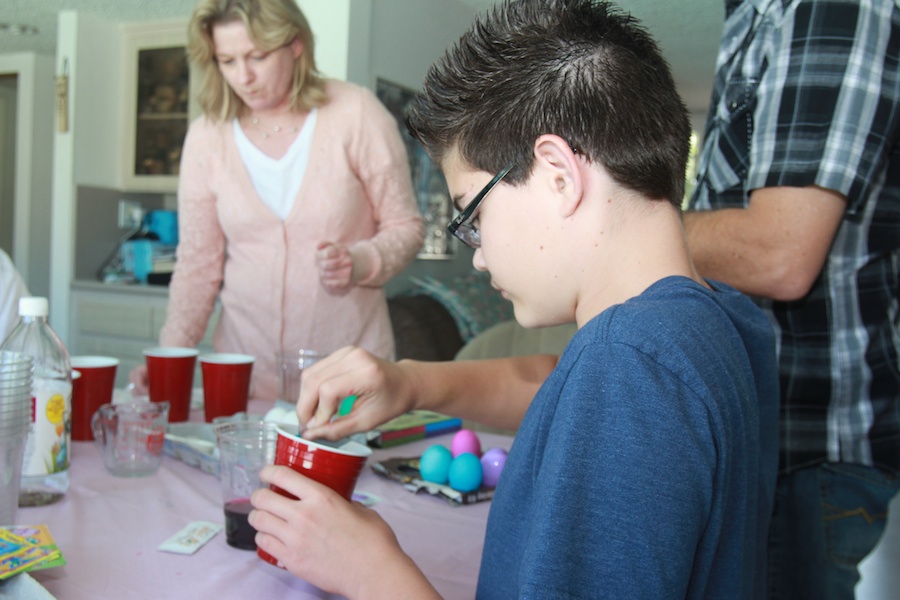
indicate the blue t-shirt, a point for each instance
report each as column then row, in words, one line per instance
column 645, row 466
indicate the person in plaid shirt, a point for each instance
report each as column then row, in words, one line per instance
column 797, row 203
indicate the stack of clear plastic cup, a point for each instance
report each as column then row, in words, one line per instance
column 15, row 421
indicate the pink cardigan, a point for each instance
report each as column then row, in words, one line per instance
column 357, row 191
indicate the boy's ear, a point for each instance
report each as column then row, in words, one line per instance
column 557, row 162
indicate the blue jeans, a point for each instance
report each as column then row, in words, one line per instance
column 826, row 519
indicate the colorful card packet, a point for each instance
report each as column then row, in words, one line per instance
column 27, row 548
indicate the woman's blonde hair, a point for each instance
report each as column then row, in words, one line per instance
column 270, row 24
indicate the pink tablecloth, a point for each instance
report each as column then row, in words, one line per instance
column 109, row 529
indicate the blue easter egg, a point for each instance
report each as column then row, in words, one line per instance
column 465, row 473
column 434, row 465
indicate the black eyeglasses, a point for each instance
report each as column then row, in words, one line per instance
column 463, row 226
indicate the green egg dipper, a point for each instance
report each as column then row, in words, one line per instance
column 346, row 405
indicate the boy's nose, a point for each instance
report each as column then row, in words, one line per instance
column 478, row 260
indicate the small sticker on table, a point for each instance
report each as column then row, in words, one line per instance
column 191, row 538
column 365, row 498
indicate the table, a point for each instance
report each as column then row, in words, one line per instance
column 109, row 528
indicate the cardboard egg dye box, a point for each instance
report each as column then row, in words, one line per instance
column 194, row 444
column 406, row 472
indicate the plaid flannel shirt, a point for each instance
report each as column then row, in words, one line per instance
column 807, row 92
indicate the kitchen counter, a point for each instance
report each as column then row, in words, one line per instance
column 120, row 320
column 121, row 288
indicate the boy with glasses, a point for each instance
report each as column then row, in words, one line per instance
column 645, row 457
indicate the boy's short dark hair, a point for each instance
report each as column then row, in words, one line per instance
column 579, row 69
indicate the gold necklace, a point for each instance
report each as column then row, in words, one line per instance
column 274, row 130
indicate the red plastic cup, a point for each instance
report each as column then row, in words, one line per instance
column 337, row 467
column 91, row 390
column 171, row 378
column 226, row 383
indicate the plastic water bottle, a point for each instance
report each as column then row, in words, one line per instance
column 45, row 469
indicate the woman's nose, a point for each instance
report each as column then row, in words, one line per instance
column 245, row 73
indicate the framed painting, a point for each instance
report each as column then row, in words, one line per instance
column 428, row 182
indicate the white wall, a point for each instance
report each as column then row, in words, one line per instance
column 409, row 35
column 330, row 22
column 89, row 152
column 98, row 109
column 880, row 571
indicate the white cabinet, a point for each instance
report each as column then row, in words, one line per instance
column 159, row 104
column 121, row 321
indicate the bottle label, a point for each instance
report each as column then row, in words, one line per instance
column 47, row 448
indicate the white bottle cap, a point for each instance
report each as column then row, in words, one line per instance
column 33, row 306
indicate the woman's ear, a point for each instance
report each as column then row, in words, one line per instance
column 559, row 165
column 296, row 48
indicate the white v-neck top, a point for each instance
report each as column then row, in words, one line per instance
column 277, row 181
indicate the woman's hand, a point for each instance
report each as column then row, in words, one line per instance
column 335, row 266
column 383, row 390
column 338, row 546
column 139, row 381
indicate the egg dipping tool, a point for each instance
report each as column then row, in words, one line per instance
column 346, row 405
column 285, row 414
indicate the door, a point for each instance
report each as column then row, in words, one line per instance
column 8, row 93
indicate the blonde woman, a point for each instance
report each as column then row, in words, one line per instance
column 295, row 200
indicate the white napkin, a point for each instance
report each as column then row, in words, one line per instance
column 24, row 587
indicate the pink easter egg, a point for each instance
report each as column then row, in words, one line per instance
column 465, row 440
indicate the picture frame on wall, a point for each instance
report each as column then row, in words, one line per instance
column 429, row 185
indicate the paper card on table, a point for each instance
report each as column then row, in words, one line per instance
column 191, row 538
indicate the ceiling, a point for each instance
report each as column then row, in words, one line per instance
column 42, row 14
column 687, row 30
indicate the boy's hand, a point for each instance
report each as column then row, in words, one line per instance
column 338, row 546
column 382, row 389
